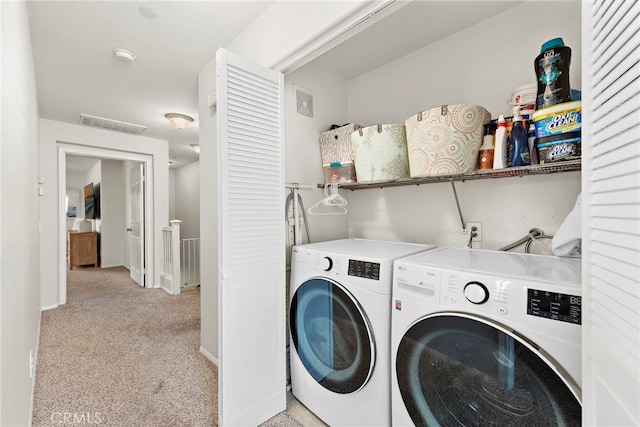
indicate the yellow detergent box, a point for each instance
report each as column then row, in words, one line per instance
column 558, row 119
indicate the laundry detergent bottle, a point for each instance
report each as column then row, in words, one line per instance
column 485, row 155
column 552, row 71
column 519, row 147
column 500, row 149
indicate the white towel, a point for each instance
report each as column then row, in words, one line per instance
column 568, row 239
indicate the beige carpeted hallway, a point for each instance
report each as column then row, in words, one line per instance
column 121, row 355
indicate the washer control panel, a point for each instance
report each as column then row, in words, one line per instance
column 554, row 305
column 482, row 292
column 499, row 295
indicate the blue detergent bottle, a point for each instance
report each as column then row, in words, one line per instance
column 552, row 71
column 519, row 147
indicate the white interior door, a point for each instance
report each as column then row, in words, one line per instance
column 611, row 210
column 136, row 227
column 251, row 261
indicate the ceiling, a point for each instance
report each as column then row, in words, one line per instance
column 413, row 26
column 80, row 164
column 77, row 71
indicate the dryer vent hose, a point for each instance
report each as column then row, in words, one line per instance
column 534, row 233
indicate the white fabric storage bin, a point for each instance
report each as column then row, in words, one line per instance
column 335, row 144
column 445, row 140
column 380, row 153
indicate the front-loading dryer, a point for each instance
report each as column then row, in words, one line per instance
column 485, row 338
column 340, row 325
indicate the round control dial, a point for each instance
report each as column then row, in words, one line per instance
column 476, row 292
column 326, row 263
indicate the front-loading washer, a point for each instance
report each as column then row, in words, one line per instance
column 485, row 338
column 340, row 325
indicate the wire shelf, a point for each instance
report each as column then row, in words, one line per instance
column 543, row 169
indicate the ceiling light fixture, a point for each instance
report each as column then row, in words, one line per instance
column 179, row 121
column 124, row 54
column 196, row 147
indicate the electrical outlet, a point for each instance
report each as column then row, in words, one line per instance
column 478, row 226
column 31, row 367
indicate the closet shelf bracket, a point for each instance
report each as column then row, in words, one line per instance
column 455, row 196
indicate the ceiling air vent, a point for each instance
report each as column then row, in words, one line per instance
column 109, row 124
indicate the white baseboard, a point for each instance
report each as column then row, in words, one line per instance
column 209, row 356
column 166, row 283
column 49, row 307
column 35, row 371
column 112, row 265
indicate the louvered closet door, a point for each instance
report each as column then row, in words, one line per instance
column 251, row 283
column 611, row 230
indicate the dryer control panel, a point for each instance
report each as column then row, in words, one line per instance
column 364, row 269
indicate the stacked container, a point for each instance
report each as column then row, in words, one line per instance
column 524, row 97
column 558, row 117
column 559, row 132
column 336, row 152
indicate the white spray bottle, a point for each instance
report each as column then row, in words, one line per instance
column 500, row 149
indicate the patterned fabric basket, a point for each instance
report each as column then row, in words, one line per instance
column 380, row 153
column 445, row 140
column 335, row 144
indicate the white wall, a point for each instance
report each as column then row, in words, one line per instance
column 112, row 214
column 448, row 72
column 208, row 215
column 480, row 65
column 187, row 200
column 52, row 133
column 303, row 164
column 172, row 193
column 19, row 238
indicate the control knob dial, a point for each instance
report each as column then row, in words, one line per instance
column 326, row 263
column 476, row 293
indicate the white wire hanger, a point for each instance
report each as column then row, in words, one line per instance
column 332, row 203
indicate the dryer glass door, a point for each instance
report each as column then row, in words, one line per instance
column 455, row 370
column 332, row 336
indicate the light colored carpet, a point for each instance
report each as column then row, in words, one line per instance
column 120, row 355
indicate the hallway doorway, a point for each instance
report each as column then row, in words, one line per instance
column 147, row 187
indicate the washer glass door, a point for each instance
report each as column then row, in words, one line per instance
column 464, row 371
column 332, row 336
